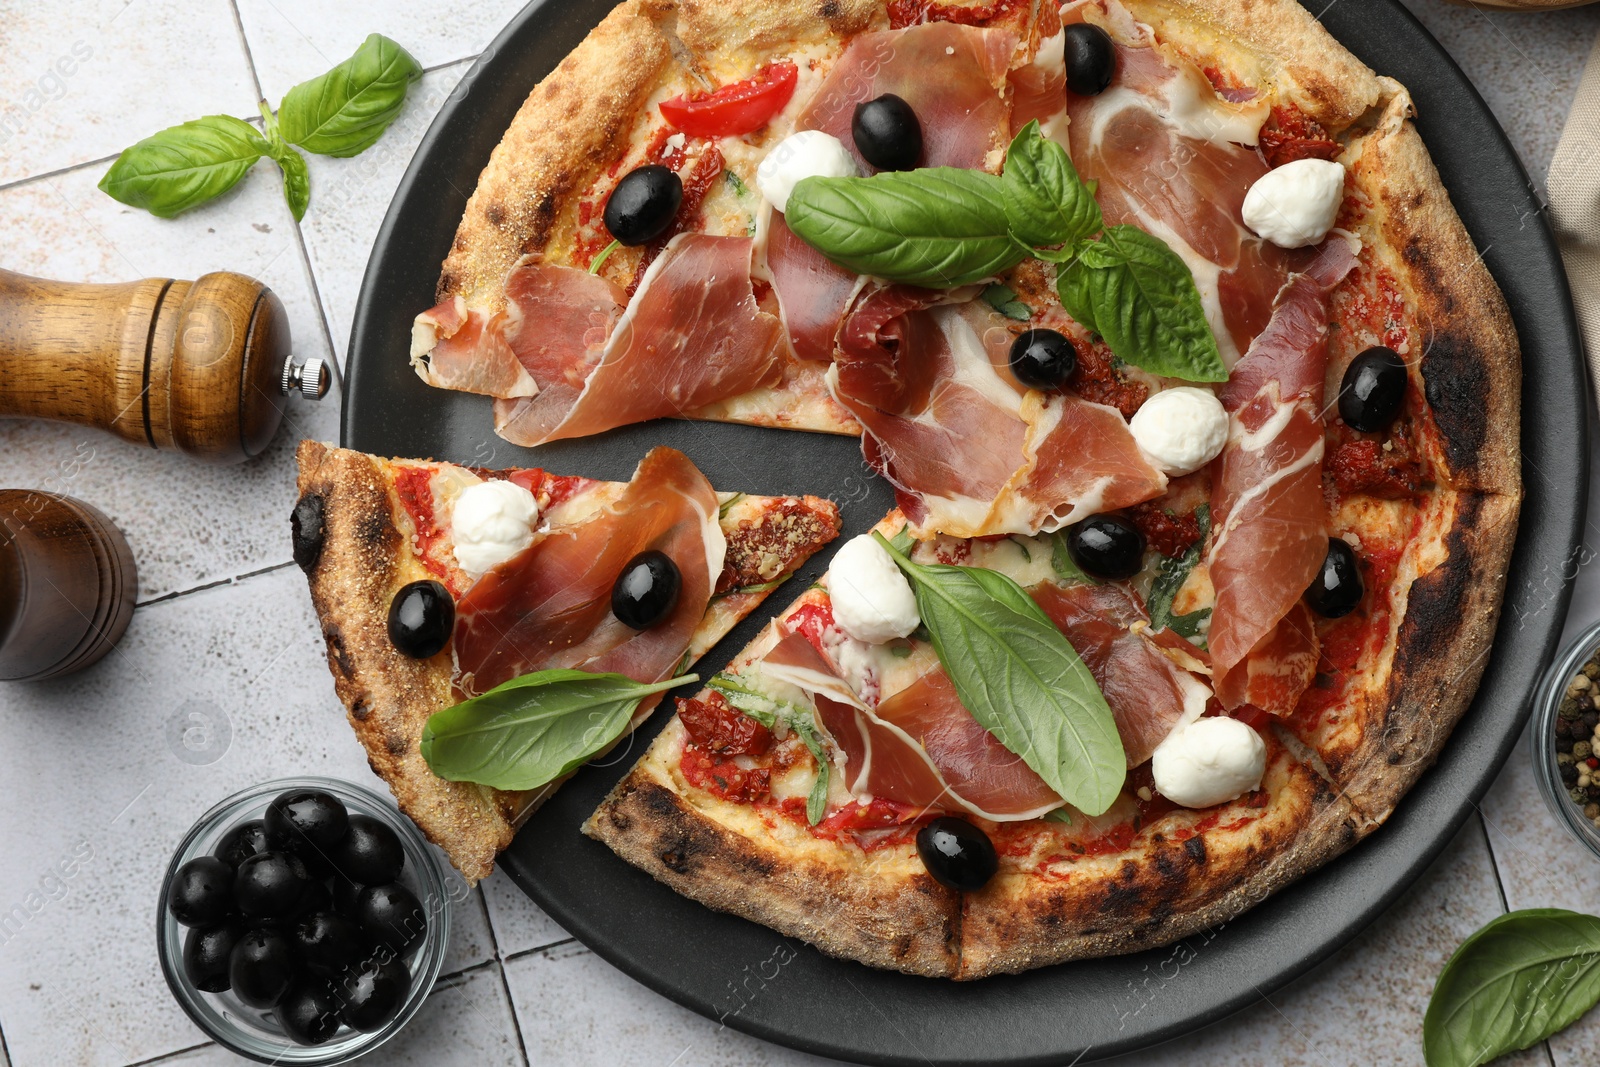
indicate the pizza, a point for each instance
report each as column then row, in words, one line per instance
column 436, row 583
column 1200, row 409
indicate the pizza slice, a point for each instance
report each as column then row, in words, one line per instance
column 437, row 584
column 833, row 784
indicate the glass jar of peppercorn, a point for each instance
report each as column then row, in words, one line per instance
column 1566, row 737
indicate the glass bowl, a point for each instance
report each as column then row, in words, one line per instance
column 1546, row 708
column 253, row 1032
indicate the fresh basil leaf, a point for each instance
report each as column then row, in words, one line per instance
column 902, row 541
column 938, row 227
column 1063, row 564
column 1134, row 291
column 1170, row 578
column 346, row 110
column 1521, row 978
column 183, row 166
column 1020, row 678
column 727, row 505
column 296, row 176
column 1045, row 200
column 1061, row 815
column 1004, row 300
column 768, row 711
column 532, row 730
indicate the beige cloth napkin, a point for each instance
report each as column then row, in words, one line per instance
column 1574, row 191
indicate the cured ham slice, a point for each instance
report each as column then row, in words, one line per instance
column 969, row 452
column 813, row 291
column 1268, row 507
column 560, row 318
column 951, row 75
column 920, row 747
column 692, row 335
column 1148, row 692
column 454, row 348
column 1175, row 158
column 550, row 605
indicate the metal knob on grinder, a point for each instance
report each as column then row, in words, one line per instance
column 201, row 367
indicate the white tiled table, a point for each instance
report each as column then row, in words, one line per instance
column 225, row 629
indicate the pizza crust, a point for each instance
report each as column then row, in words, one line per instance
column 365, row 559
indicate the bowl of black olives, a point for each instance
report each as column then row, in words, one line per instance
column 303, row 921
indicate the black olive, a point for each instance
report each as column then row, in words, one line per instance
column 318, row 897
column 390, row 915
column 370, row 853
column 261, row 968
column 422, row 616
column 206, row 954
column 646, row 590
column 643, row 204
column 306, row 815
column 1373, row 390
column 1106, row 546
column 887, row 133
column 242, row 842
column 369, row 998
column 309, row 1014
column 1043, row 359
column 345, row 894
column 957, row 853
column 201, row 892
column 1091, row 59
column 306, row 525
column 328, row 944
column 1337, row 589
column 271, row 886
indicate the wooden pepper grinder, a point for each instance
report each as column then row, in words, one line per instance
column 202, row 367
column 67, row 585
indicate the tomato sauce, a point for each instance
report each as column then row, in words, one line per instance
column 1290, row 134
column 724, row 778
column 721, row 729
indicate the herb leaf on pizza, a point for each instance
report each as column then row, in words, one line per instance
column 456, row 599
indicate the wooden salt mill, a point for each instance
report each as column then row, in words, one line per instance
column 199, row 367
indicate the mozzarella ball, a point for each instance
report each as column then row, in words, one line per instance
column 1181, row 429
column 1294, row 205
column 1209, row 761
column 493, row 521
column 872, row 601
column 807, row 154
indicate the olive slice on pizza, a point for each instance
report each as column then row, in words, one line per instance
column 437, row 584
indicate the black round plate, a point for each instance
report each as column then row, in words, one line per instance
column 748, row 976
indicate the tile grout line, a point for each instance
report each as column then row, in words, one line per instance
column 336, row 364
column 526, row 952
column 175, row 594
column 516, row 1016
column 47, row 175
column 166, row 1056
column 1505, row 902
column 5, row 1050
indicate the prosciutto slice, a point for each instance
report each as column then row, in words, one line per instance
column 1174, row 158
column 969, row 452
column 1148, row 692
column 692, row 335
column 1271, row 529
column 550, row 605
column 951, row 75
column 455, row 348
column 919, row 747
column 813, row 291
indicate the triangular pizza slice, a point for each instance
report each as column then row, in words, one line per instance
column 437, row 583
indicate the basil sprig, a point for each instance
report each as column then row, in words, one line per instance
column 1020, row 678
column 1522, row 977
column 943, row 227
column 529, row 731
column 1173, row 573
column 769, row 712
column 340, row 113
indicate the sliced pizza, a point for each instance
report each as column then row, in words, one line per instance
column 833, row 783
column 438, row 584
